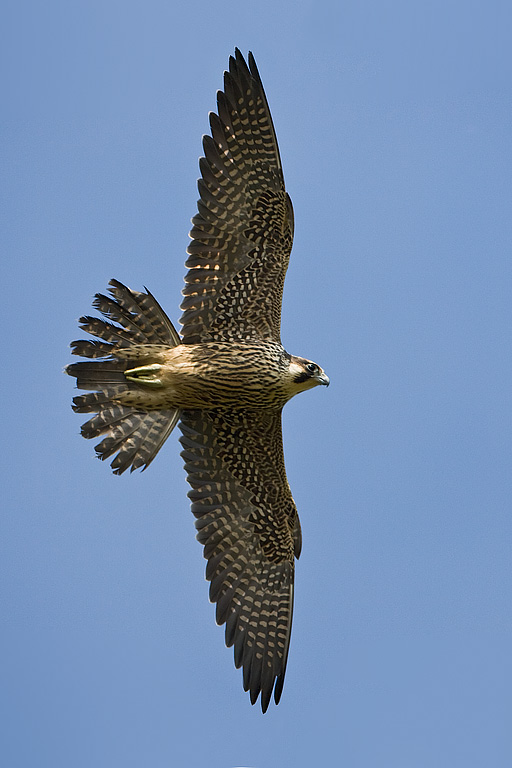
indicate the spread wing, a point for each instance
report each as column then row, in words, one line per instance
column 248, row 524
column 243, row 231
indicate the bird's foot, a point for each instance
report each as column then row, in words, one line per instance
column 145, row 374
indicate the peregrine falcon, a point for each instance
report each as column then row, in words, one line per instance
column 225, row 380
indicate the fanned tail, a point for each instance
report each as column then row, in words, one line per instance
column 135, row 328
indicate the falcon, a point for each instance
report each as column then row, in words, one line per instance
column 225, row 380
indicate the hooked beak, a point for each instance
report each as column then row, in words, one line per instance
column 323, row 379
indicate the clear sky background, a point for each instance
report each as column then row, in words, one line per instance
column 394, row 122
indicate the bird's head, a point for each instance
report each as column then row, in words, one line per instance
column 305, row 374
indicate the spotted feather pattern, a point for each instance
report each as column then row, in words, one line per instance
column 248, row 524
column 243, row 231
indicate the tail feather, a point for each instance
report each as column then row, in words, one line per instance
column 151, row 318
column 107, row 419
column 148, row 436
column 99, row 374
column 107, row 331
column 92, row 401
column 110, row 309
column 90, row 348
column 135, row 328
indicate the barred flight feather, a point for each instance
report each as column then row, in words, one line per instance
column 254, row 594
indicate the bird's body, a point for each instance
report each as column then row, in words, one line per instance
column 235, row 374
column 225, row 380
column 216, row 374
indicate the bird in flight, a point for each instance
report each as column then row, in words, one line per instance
column 225, row 380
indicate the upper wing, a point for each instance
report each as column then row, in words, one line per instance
column 248, row 523
column 242, row 235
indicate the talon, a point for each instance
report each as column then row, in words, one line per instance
column 146, row 374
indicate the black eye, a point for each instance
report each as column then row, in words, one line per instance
column 312, row 368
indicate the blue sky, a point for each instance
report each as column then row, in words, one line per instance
column 394, row 123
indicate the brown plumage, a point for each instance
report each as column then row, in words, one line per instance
column 225, row 380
